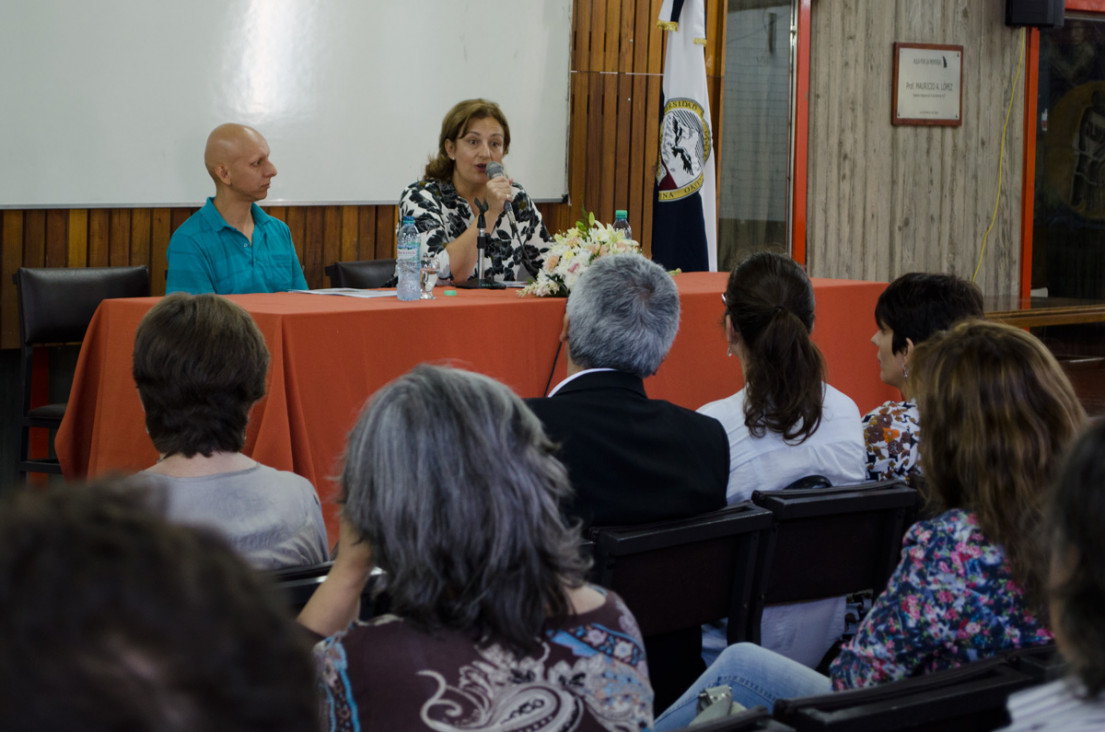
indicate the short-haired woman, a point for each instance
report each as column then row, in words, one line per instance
column 451, row 488
column 908, row 311
column 1076, row 596
column 1000, row 412
column 200, row 365
column 785, row 424
column 443, row 203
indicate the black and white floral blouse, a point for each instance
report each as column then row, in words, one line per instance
column 441, row 215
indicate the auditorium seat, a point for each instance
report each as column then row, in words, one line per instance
column 295, row 585
column 56, row 305
column 364, row 274
column 971, row 697
column 677, row 575
column 828, row 542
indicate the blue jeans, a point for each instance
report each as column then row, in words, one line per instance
column 757, row 677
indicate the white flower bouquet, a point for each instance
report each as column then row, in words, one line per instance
column 572, row 252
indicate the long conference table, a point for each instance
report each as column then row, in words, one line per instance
column 330, row 353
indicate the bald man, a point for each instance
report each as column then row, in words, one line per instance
column 230, row 245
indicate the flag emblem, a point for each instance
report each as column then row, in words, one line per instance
column 684, row 149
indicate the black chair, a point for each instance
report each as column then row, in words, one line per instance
column 1043, row 663
column 828, row 542
column 295, row 585
column 365, row 274
column 971, row 697
column 56, row 305
column 677, row 575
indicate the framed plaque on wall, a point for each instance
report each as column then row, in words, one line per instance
column 928, row 85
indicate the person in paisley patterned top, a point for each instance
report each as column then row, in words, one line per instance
column 492, row 625
column 909, row 310
column 474, row 133
column 1000, row 413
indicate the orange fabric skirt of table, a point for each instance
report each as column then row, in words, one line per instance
column 329, row 354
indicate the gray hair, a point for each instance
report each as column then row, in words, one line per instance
column 450, row 478
column 623, row 314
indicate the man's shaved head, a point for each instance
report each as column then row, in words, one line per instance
column 227, row 142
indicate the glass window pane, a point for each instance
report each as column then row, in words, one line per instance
column 756, row 130
column 1068, row 240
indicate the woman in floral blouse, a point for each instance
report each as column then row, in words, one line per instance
column 999, row 412
column 909, row 310
column 474, row 133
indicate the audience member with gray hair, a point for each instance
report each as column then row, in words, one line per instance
column 450, row 486
column 632, row 459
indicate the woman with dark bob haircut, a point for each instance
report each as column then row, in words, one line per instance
column 474, row 133
column 908, row 311
column 451, row 488
column 1076, row 596
column 785, row 424
column 999, row 413
column 200, row 364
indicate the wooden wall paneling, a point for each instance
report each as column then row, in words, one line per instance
column 177, row 216
column 624, row 170
column 366, row 232
column 11, row 259
column 640, row 176
column 613, row 36
column 34, row 238
column 313, row 242
column 384, row 234
column 627, row 37
column 652, row 153
column 160, row 232
column 77, row 239
column 657, row 41
column 141, row 231
column 332, row 242
column 596, row 35
column 57, row 243
column 350, row 233
column 99, row 237
column 609, row 171
column 643, row 23
column 119, row 253
column 591, row 192
column 581, row 39
column 294, row 217
column 577, row 162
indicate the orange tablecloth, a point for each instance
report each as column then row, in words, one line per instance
column 330, row 353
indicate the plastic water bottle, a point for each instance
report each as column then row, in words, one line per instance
column 407, row 260
column 621, row 223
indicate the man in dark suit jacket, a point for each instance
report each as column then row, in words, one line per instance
column 631, row 459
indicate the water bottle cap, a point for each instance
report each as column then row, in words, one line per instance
column 620, row 214
column 408, row 220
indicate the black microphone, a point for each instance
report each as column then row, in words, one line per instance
column 494, row 170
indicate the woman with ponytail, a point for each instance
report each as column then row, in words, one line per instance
column 785, row 424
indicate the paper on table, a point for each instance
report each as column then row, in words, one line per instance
column 348, row 292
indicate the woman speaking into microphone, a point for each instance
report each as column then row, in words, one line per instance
column 468, row 166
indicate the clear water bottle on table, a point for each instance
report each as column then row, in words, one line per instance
column 407, row 260
column 621, row 223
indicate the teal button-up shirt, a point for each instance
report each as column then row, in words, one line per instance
column 206, row 254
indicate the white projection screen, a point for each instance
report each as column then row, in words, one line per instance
column 109, row 102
